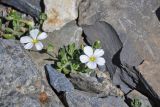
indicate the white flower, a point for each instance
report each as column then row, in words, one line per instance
column 34, row 39
column 91, row 59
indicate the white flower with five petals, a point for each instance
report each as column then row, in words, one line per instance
column 34, row 39
column 91, row 59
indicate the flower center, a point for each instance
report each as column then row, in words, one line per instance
column 34, row 41
column 92, row 59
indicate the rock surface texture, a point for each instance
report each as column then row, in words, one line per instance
column 70, row 33
column 137, row 25
column 75, row 98
column 21, row 83
column 83, row 99
column 143, row 99
column 31, row 7
column 59, row 12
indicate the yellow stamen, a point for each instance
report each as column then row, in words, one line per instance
column 34, row 41
column 92, row 59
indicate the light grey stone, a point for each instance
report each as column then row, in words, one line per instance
column 59, row 13
column 103, row 88
column 21, row 83
column 70, row 33
column 83, row 99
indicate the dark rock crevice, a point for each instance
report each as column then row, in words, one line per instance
column 158, row 13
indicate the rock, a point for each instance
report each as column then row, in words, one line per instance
column 137, row 25
column 129, row 78
column 58, row 80
column 110, row 42
column 22, row 84
column 59, row 13
column 134, row 21
column 70, row 33
column 143, row 99
column 83, row 99
column 31, row 7
column 149, row 70
column 102, row 88
column 3, row 11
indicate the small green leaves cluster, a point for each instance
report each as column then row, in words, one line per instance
column 14, row 25
column 42, row 18
column 136, row 103
column 68, row 59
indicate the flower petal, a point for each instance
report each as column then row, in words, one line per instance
column 100, row 61
column 98, row 52
column 28, row 46
column 92, row 65
column 34, row 33
column 84, row 58
column 25, row 39
column 88, row 51
column 42, row 36
column 39, row 46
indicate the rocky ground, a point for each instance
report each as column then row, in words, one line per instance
column 129, row 31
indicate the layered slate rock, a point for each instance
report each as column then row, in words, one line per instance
column 59, row 13
column 22, row 84
column 137, row 25
column 31, row 7
column 134, row 21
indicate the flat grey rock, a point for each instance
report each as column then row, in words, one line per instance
column 58, row 80
column 31, row 7
column 70, row 33
column 83, row 99
column 20, row 81
column 103, row 88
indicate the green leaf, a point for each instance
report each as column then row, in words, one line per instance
column 97, row 45
column 136, row 103
column 0, row 23
column 9, row 30
column 9, row 36
column 59, row 64
column 66, row 71
column 43, row 16
column 50, row 48
column 9, row 18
